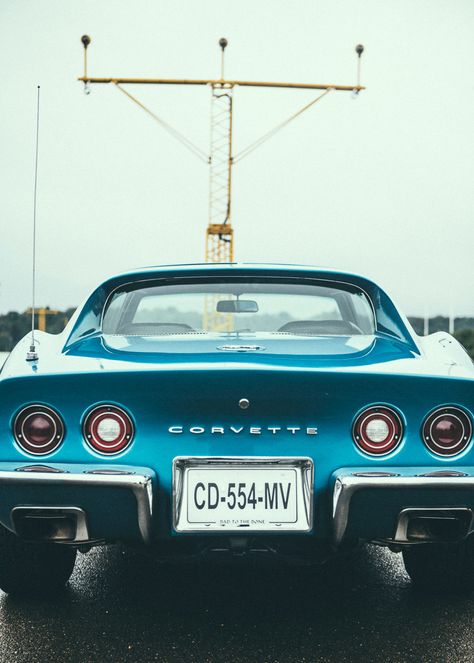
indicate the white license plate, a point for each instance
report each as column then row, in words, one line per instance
column 227, row 494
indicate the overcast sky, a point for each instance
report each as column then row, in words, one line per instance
column 381, row 185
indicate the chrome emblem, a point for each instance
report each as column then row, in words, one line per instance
column 240, row 348
column 244, row 403
column 238, row 430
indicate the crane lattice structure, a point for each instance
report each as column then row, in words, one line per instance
column 221, row 159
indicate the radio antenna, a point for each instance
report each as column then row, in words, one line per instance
column 32, row 354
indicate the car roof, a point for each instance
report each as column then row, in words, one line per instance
column 389, row 319
column 231, row 266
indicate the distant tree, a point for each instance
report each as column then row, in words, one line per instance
column 417, row 324
column 5, row 342
column 14, row 325
column 466, row 338
column 440, row 323
column 464, row 323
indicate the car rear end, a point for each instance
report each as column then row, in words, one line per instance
column 235, row 449
column 237, row 411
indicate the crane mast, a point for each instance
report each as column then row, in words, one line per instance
column 219, row 234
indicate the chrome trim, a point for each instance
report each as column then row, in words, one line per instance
column 140, row 485
column 404, row 517
column 47, row 512
column 111, row 472
column 305, row 464
column 40, row 468
column 241, row 348
column 376, row 474
column 443, row 473
column 347, row 485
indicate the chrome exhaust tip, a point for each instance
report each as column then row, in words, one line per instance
column 47, row 523
column 433, row 525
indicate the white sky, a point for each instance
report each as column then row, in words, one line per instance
column 381, row 185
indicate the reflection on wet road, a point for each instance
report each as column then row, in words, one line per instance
column 123, row 606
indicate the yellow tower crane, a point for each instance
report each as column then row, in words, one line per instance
column 42, row 313
column 221, row 159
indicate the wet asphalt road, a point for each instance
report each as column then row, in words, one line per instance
column 122, row 606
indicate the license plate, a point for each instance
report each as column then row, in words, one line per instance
column 242, row 494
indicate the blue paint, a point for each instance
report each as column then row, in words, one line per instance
column 309, row 382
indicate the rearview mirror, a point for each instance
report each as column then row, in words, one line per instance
column 237, row 306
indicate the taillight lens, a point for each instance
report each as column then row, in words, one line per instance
column 108, row 429
column 447, row 431
column 378, row 430
column 38, row 430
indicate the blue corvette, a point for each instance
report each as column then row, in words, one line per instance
column 237, row 409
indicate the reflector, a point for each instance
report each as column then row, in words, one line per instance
column 108, row 429
column 377, row 430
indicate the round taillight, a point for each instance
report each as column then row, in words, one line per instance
column 108, row 429
column 38, row 430
column 377, row 430
column 447, row 431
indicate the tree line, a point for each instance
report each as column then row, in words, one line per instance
column 14, row 325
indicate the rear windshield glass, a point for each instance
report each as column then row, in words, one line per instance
column 236, row 306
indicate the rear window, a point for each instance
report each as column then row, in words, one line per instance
column 238, row 306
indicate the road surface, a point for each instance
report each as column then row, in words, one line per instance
column 123, row 606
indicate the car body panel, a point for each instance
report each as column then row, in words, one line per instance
column 179, row 389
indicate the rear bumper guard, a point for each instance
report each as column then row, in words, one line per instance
column 414, row 488
column 67, row 520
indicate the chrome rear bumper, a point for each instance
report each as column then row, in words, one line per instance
column 400, row 495
column 80, row 503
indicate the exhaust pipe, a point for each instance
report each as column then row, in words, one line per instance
column 435, row 525
column 66, row 524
